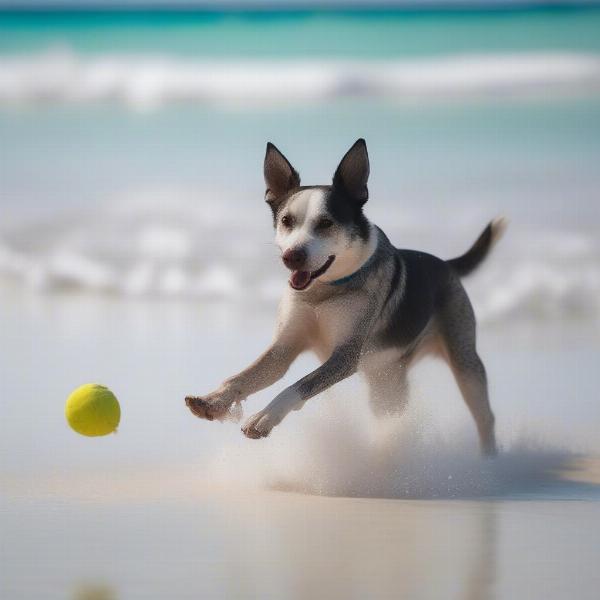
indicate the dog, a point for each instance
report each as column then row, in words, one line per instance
column 358, row 302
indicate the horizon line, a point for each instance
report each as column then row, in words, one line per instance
column 274, row 7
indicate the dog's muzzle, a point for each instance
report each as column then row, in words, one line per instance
column 300, row 280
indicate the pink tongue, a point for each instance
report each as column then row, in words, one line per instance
column 300, row 279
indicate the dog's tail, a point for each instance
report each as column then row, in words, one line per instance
column 468, row 262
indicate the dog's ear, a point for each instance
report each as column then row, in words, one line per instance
column 280, row 176
column 352, row 173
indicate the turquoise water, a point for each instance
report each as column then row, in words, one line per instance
column 386, row 34
column 523, row 159
column 158, row 122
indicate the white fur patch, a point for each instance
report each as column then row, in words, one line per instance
column 306, row 208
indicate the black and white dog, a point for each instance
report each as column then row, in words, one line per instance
column 359, row 303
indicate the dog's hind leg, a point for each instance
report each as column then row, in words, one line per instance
column 388, row 388
column 458, row 337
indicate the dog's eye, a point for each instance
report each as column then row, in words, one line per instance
column 324, row 223
column 287, row 221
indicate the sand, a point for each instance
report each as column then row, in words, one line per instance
column 332, row 505
column 167, row 534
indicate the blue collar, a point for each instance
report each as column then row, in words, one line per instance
column 362, row 268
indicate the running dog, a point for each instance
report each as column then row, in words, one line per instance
column 358, row 302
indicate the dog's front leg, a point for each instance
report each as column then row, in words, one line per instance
column 266, row 370
column 341, row 364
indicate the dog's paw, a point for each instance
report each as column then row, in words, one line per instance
column 259, row 425
column 206, row 408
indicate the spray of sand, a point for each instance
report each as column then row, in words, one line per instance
column 340, row 450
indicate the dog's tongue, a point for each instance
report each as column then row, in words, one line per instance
column 300, row 279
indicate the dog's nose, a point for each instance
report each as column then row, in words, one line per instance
column 294, row 258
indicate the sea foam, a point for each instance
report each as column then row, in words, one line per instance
column 143, row 83
column 183, row 250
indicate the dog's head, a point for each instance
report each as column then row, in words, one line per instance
column 321, row 230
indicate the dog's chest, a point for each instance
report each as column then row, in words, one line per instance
column 332, row 323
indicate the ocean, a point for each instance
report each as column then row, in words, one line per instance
column 136, row 251
column 467, row 115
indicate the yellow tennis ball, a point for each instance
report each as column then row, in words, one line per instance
column 93, row 410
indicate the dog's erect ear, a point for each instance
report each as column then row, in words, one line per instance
column 280, row 176
column 352, row 174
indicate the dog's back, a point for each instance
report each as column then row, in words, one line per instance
column 422, row 285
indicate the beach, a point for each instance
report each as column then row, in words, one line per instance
column 136, row 251
column 329, row 506
column 278, row 545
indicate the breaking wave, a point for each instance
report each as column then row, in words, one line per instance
column 62, row 76
column 184, row 250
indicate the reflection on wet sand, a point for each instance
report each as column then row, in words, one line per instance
column 192, row 542
column 341, row 548
column 479, row 582
column 94, row 591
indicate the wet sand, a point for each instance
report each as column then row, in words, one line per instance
column 171, row 507
column 164, row 534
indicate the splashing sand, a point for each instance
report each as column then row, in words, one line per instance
column 348, row 453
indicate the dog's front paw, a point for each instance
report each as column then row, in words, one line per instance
column 205, row 407
column 259, row 425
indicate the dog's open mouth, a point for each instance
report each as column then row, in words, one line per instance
column 300, row 280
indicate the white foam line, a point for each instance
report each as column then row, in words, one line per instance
column 142, row 82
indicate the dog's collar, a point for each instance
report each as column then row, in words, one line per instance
column 361, row 269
